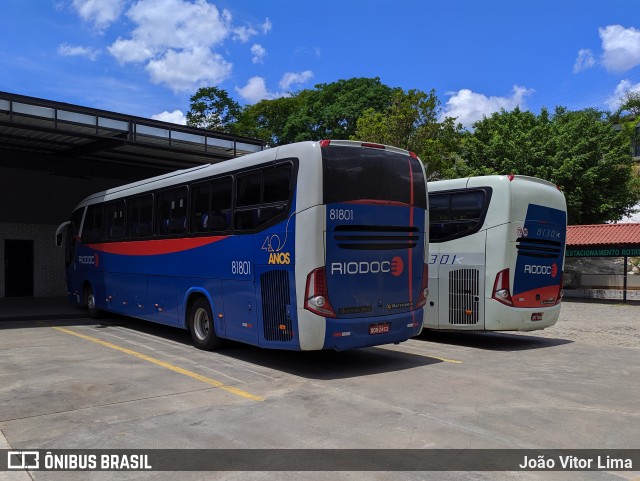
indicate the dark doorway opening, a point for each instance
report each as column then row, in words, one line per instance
column 18, row 268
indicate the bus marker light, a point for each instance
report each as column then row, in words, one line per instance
column 282, row 327
column 372, row 146
column 220, row 316
column 341, row 334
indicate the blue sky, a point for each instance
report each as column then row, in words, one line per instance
column 146, row 57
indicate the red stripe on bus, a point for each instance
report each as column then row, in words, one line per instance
column 154, row 247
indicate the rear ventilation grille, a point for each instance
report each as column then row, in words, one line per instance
column 540, row 248
column 464, row 296
column 376, row 237
column 276, row 306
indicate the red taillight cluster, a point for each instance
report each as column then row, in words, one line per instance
column 501, row 292
column 316, row 297
column 424, row 287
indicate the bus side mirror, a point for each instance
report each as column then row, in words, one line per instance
column 60, row 231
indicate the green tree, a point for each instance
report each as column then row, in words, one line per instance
column 269, row 120
column 410, row 121
column 331, row 111
column 328, row 111
column 211, row 108
column 577, row 150
column 627, row 117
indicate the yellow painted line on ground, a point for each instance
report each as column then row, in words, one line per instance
column 166, row 365
column 445, row 360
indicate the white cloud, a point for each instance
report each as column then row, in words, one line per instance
column 258, row 53
column 126, row 51
column 469, row 107
column 244, row 34
column 266, row 26
column 183, row 70
column 101, row 13
column 175, row 117
column 622, row 88
column 584, row 61
column 171, row 24
column 621, row 48
column 78, row 51
column 290, row 78
column 256, row 88
column 177, row 41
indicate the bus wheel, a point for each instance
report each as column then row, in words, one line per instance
column 201, row 326
column 90, row 302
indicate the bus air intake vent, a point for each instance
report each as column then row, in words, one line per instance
column 464, row 296
column 540, row 248
column 276, row 306
column 376, row 237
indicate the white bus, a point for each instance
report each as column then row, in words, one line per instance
column 315, row 245
column 496, row 253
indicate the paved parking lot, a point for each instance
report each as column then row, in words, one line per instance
column 123, row 383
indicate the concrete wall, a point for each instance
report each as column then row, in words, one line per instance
column 48, row 262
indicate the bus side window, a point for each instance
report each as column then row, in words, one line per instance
column 140, row 216
column 171, row 212
column 210, row 205
column 455, row 214
column 262, row 196
column 114, row 219
column 93, row 227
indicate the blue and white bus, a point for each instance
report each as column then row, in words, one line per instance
column 497, row 253
column 314, row 245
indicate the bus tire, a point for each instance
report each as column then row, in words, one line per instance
column 90, row 303
column 201, row 326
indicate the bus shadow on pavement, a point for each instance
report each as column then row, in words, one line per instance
column 492, row 341
column 325, row 365
column 329, row 364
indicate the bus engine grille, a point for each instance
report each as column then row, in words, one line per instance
column 464, row 296
column 376, row 237
column 276, row 306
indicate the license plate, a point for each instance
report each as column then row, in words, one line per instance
column 536, row 316
column 379, row 328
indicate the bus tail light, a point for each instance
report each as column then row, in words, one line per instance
column 501, row 291
column 316, row 295
column 424, row 288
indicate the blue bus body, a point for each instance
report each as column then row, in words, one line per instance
column 371, row 253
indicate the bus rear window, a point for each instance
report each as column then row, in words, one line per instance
column 356, row 173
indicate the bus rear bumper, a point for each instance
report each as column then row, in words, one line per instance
column 345, row 334
column 504, row 318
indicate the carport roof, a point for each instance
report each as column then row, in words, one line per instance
column 603, row 234
column 61, row 136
